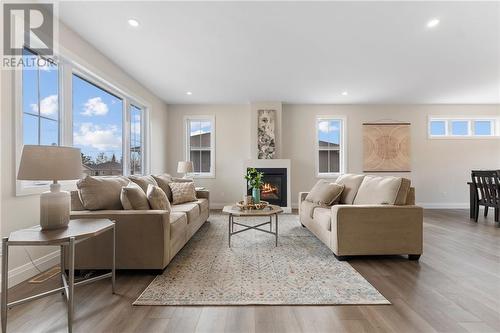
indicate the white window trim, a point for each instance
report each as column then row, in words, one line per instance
column 495, row 120
column 211, row 118
column 66, row 70
column 343, row 146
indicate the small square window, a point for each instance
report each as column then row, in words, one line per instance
column 438, row 127
column 460, row 127
column 483, row 127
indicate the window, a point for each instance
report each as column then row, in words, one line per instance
column 136, row 141
column 475, row 127
column 97, row 128
column 200, row 147
column 61, row 103
column 330, row 146
column 40, row 99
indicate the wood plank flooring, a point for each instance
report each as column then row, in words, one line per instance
column 455, row 287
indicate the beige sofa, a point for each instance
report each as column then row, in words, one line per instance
column 145, row 239
column 375, row 216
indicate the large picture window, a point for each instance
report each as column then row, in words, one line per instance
column 200, row 144
column 40, row 102
column 97, row 128
column 330, row 146
column 61, row 103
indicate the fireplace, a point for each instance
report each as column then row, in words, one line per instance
column 274, row 187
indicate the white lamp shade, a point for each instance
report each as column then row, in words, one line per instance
column 185, row 167
column 50, row 163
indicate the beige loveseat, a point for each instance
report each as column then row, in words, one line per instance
column 375, row 216
column 145, row 239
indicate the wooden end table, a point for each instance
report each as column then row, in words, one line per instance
column 269, row 211
column 77, row 231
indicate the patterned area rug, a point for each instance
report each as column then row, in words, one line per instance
column 301, row 270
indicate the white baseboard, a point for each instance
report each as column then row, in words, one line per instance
column 27, row 271
column 444, row 205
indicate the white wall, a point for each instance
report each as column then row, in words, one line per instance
column 440, row 168
column 232, row 141
column 23, row 211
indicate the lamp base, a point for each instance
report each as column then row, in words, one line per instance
column 54, row 208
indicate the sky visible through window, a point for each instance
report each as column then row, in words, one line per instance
column 97, row 122
column 329, row 131
column 482, row 127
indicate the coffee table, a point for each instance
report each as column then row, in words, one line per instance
column 269, row 211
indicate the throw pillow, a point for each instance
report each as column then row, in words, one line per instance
column 325, row 193
column 143, row 181
column 157, row 198
column 101, row 192
column 164, row 179
column 133, row 197
column 182, row 192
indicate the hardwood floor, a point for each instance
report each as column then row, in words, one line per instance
column 455, row 287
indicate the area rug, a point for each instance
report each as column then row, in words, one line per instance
column 301, row 270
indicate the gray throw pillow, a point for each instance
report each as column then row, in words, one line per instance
column 101, row 192
column 143, row 181
column 182, row 192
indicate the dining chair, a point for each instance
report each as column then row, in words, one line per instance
column 487, row 186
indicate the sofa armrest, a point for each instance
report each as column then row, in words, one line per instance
column 376, row 229
column 142, row 239
column 302, row 197
column 203, row 194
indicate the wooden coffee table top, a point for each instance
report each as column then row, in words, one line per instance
column 268, row 211
column 78, row 228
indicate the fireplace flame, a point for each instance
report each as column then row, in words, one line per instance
column 268, row 188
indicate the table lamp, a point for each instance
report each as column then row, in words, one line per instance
column 51, row 163
column 185, row 167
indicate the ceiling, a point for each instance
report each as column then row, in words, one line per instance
column 300, row 52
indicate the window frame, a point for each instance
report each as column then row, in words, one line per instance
column 66, row 69
column 342, row 145
column 187, row 155
column 471, row 120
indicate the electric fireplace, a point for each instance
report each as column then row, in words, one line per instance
column 274, row 187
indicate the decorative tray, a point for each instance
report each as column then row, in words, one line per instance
column 259, row 206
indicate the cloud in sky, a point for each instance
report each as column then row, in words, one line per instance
column 323, row 127
column 95, row 107
column 96, row 137
column 135, row 127
column 48, row 106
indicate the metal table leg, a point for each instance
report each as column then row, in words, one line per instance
column 71, row 286
column 230, row 221
column 5, row 282
column 276, row 229
column 113, row 269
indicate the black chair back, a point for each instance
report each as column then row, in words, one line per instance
column 487, row 185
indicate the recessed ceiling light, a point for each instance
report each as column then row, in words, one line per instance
column 133, row 23
column 345, row 93
column 433, row 23
column 188, row 93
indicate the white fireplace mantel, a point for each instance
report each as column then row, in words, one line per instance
column 274, row 163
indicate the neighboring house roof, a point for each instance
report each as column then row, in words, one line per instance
column 325, row 143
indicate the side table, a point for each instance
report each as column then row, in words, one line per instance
column 77, row 231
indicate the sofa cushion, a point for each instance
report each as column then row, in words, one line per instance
column 323, row 216
column 307, row 209
column 351, row 184
column 101, row 192
column 203, row 204
column 143, row 181
column 325, row 193
column 133, row 197
column 182, row 192
column 157, row 198
column 376, row 190
column 403, row 192
column 191, row 209
column 178, row 232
